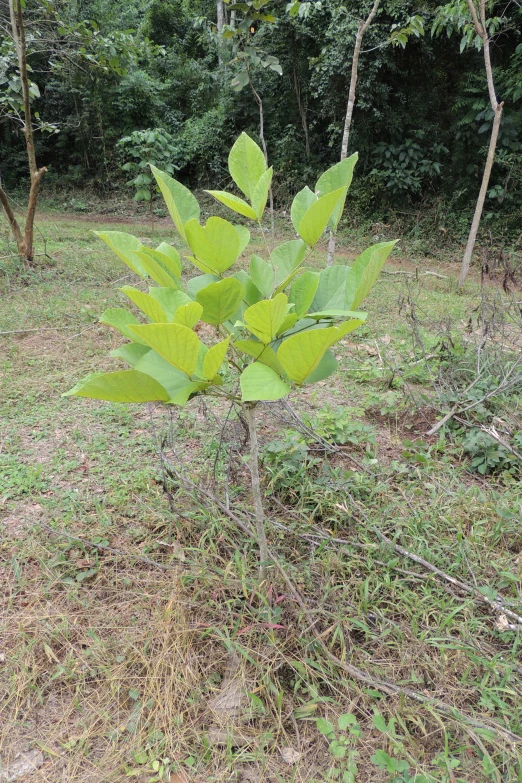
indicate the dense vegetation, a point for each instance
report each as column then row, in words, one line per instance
column 422, row 117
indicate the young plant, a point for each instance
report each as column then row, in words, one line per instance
column 341, row 746
column 273, row 325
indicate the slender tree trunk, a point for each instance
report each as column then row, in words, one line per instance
column 361, row 31
column 220, row 9
column 220, row 15
column 24, row 242
column 482, row 30
column 232, row 19
column 15, row 228
column 302, row 112
column 250, row 411
column 263, row 144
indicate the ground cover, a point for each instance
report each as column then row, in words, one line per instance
column 132, row 630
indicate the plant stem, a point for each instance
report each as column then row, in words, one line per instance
column 250, row 412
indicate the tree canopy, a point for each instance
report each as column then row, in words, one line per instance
column 102, row 71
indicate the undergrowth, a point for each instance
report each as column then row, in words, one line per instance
column 135, row 642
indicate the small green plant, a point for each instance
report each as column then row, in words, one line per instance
column 488, row 456
column 141, row 150
column 341, row 746
column 397, row 769
column 273, row 326
column 286, row 460
column 338, row 425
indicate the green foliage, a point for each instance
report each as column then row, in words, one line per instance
column 341, row 739
column 142, row 149
column 254, row 316
column 338, row 425
column 408, row 166
column 489, row 456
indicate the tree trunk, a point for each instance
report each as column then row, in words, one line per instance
column 15, row 228
column 363, row 26
column 302, row 112
column 220, row 15
column 263, row 144
column 220, row 10
column 24, row 242
column 466, row 260
column 482, row 31
column 250, row 411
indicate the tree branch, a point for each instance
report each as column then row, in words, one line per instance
column 15, row 228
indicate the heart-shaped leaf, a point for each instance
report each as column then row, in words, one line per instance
column 260, row 382
column 216, row 246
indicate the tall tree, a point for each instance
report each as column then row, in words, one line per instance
column 361, row 30
column 478, row 16
column 24, row 240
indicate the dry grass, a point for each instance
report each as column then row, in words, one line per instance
column 111, row 665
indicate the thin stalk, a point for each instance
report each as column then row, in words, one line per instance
column 250, row 415
column 361, row 30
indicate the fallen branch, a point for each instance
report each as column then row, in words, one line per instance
column 492, row 432
column 505, row 384
column 497, row 604
column 353, row 671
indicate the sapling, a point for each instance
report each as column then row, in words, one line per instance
column 274, row 324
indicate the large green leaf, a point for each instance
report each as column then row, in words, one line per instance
column 348, row 326
column 120, row 386
column 326, row 367
column 246, row 164
column 183, row 394
column 170, row 299
column 286, row 259
column 214, row 358
column 287, row 324
column 264, row 318
column 252, row 292
column 338, row 176
column 146, row 303
column 244, row 236
column 301, row 353
column 188, row 314
column 314, row 222
column 180, row 202
column 234, row 202
column 264, row 353
column 166, row 257
column 220, row 300
column 173, row 380
column 157, row 271
column 195, row 284
column 260, row 194
column 300, row 205
column 131, row 352
column 177, row 344
column 260, row 382
column 172, row 254
column 216, row 246
column 262, row 274
column 303, row 291
column 331, row 291
column 120, row 319
column 365, row 271
column 126, row 248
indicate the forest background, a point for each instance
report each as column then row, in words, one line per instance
column 421, row 126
